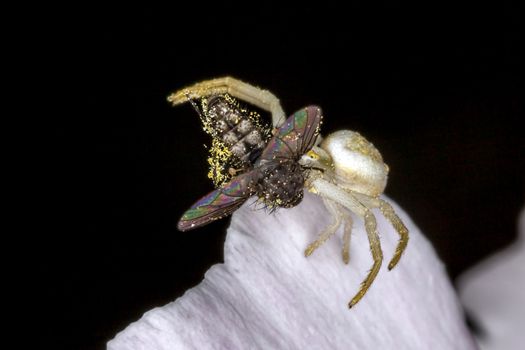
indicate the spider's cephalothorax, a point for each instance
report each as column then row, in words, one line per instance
column 239, row 136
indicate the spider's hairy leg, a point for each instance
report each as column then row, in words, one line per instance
column 200, row 89
column 401, row 229
column 263, row 99
column 335, row 211
column 346, row 199
column 346, row 236
column 395, row 221
column 377, row 255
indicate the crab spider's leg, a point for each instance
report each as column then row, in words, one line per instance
column 346, row 236
column 341, row 217
column 396, row 222
column 377, row 254
column 329, row 230
column 401, row 229
column 329, row 190
column 263, row 99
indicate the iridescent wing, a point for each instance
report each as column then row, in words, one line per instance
column 217, row 204
column 296, row 136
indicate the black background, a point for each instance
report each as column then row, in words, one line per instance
column 438, row 90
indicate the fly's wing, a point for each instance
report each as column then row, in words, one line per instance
column 217, row 204
column 296, row 136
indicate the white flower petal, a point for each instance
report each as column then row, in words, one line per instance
column 267, row 295
column 493, row 292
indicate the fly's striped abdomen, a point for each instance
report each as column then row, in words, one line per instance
column 239, row 129
column 239, row 136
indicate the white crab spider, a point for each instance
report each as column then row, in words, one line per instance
column 353, row 178
column 347, row 172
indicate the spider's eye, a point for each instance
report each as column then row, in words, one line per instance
column 312, row 155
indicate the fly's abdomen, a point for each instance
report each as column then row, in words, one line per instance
column 238, row 135
column 240, row 130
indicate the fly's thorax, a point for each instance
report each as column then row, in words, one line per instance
column 280, row 183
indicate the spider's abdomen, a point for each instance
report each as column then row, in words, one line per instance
column 281, row 185
column 357, row 164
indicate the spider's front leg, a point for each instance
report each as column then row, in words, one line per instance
column 346, row 236
column 334, row 193
column 340, row 217
column 263, row 99
column 335, row 211
column 320, row 164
